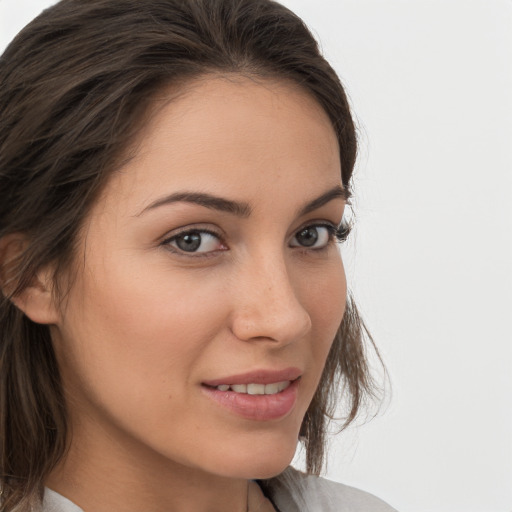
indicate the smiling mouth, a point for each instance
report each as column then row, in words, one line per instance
column 255, row 389
column 255, row 401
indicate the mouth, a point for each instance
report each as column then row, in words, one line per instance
column 259, row 396
column 255, row 389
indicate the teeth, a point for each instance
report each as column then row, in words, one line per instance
column 281, row 386
column 256, row 389
column 272, row 389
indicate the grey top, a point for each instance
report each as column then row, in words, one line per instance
column 292, row 491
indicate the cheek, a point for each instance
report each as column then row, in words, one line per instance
column 132, row 350
column 326, row 299
column 136, row 335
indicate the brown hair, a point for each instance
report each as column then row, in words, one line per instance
column 74, row 88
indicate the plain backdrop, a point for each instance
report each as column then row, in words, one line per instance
column 430, row 82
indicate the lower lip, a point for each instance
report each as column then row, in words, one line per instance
column 256, row 407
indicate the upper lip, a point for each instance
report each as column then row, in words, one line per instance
column 260, row 376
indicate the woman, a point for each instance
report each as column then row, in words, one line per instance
column 173, row 177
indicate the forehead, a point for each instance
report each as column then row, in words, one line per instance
column 225, row 134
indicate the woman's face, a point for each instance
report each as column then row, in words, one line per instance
column 207, row 271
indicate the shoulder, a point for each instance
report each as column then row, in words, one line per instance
column 293, row 491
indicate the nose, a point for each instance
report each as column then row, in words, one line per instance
column 266, row 304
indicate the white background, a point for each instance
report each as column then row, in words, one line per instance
column 431, row 85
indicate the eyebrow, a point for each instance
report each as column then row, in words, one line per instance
column 237, row 208
column 336, row 192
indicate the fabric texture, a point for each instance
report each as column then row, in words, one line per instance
column 292, row 491
column 55, row 502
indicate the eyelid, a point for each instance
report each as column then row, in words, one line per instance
column 337, row 232
column 173, row 235
column 330, row 227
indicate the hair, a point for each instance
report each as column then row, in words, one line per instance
column 75, row 88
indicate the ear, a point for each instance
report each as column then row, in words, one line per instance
column 37, row 299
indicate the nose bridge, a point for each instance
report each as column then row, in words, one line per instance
column 267, row 304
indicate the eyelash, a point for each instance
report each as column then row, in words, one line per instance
column 339, row 234
column 342, row 232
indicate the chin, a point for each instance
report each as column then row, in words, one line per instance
column 259, row 459
column 269, row 470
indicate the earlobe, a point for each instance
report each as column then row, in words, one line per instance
column 35, row 300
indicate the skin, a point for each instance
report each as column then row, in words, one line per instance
column 144, row 324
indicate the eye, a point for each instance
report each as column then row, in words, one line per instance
column 195, row 241
column 316, row 236
column 319, row 236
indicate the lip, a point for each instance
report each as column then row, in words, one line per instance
column 261, row 376
column 255, row 407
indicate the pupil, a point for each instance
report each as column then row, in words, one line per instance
column 308, row 237
column 189, row 242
